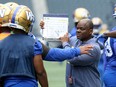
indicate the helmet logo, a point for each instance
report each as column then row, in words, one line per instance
column 30, row 16
column 2, row 12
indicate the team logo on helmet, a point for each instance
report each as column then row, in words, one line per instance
column 4, row 14
column 30, row 16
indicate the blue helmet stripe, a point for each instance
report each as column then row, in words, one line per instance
column 14, row 14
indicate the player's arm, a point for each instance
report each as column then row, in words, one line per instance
column 101, row 39
column 38, row 64
column 40, row 70
column 111, row 34
column 57, row 54
column 45, row 50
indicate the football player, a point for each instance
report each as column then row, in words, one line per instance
column 97, row 23
column 17, row 52
column 110, row 59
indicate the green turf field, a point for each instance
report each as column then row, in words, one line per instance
column 56, row 73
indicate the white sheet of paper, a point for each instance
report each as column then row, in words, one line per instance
column 56, row 25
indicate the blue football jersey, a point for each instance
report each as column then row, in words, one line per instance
column 110, row 50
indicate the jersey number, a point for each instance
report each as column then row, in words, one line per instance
column 108, row 49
